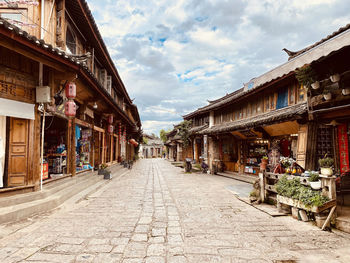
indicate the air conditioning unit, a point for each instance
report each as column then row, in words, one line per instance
column 43, row 94
column 109, row 84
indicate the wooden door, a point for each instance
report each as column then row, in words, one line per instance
column 301, row 145
column 18, row 152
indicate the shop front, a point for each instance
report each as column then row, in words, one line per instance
column 55, row 147
column 84, row 147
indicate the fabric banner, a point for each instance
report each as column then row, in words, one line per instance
column 343, row 148
column 17, row 109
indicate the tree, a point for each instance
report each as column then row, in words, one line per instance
column 144, row 140
column 162, row 135
column 184, row 132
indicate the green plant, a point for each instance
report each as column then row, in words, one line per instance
column 265, row 158
column 295, row 190
column 326, row 162
column 103, row 166
column 314, row 177
column 306, row 75
column 253, row 194
column 184, row 132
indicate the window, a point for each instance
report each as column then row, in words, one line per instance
column 291, row 95
column 282, row 99
column 249, row 110
column 272, row 101
column 301, row 93
column 267, row 103
column 71, row 41
column 13, row 17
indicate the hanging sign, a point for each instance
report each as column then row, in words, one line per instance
column 343, row 148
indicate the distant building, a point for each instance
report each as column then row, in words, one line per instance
column 152, row 147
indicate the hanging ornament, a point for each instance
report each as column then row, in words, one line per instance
column 70, row 109
column 71, row 90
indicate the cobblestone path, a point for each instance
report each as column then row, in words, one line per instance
column 156, row 213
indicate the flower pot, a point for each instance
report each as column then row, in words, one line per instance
column 326, row 171
column 346, row 91
column 316, row 185
column 335, row 78
column 263, row 166
column 315, row 85
column 327, row 96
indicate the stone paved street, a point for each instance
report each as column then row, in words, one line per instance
column 156, row 214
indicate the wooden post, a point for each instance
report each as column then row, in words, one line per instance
column 112, row 148
column 72, row 158
column 36, row 150
column 103, row 148
column 262, row 182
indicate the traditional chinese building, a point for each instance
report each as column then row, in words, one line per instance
column 59, row 84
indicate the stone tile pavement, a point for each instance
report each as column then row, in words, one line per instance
column 157, row 214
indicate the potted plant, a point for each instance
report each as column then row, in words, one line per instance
column 307, row 77
column 315, row 181
column 345, row 91
column 104, row 171
column 315, row 85
column 327, row 94
column 326, row 164
column 264, row 162
column 335, row 77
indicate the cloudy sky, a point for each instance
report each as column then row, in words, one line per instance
column 175, row 55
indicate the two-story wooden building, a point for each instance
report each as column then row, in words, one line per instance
column 46, row 49
column 274, row 115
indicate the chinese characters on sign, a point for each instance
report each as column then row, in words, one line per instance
column 343, row 148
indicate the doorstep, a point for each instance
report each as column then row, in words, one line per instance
column 251, row 179
column 342, row 221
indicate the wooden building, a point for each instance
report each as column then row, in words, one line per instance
column 43, row 49
column 275, row 115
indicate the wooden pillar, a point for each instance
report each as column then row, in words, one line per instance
column 103, row 148
column 36, row 150
column 71, row 148
column 112, row 148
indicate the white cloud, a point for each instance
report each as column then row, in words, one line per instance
column 174, row 55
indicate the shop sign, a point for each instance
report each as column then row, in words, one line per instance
column 16, row 92
column 343, row 148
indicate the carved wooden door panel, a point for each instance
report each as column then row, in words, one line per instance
column 18, row 151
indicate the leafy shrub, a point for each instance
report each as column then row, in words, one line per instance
column 295, row 190
column 314, row 177
column 326, row 162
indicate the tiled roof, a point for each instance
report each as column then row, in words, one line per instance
column 59, row 53
column 287, row 113
column 293, row 54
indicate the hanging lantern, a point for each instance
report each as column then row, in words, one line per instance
column 70, row 109
column 110, row 128
column 71, row 90
column 110, row 119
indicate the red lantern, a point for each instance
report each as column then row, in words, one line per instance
column 71, row 90
column 70, row 109
column 110, row 128
column 110, row 119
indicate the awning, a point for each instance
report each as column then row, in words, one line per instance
column 12, row 108
column 134, row 142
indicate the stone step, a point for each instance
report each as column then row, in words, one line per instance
column 48, row 190
column 44, row 201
